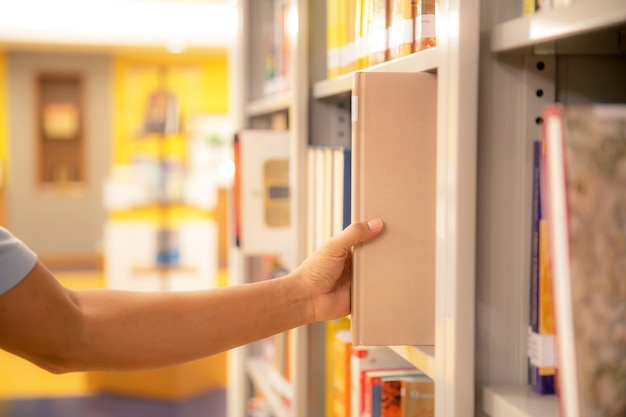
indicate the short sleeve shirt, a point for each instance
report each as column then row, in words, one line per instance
column 16, row 260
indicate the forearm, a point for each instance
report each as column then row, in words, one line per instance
column 123, row 330
column 63, row 330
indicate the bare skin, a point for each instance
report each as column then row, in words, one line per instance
column 62, row 330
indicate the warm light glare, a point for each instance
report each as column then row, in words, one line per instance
column 227, row 170
column 177, row 24
column 292, row 22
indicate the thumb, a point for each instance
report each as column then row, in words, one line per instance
column 359, row 232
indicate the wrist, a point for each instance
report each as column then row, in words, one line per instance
column 300, row 297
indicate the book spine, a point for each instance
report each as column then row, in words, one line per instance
column 374, row 403
column 533, row 326
column 347, row 187
column 553, row 159
column 348, row 50
column 356, row 205
column 336, row 366
column 333, row 38
column 528, row 7
column 541, row 331
column 426, row 29
column 341, row 375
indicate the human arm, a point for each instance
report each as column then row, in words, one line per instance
column 101, row 329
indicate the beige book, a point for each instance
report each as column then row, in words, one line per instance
column 394, row 178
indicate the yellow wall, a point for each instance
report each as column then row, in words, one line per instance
column 200, row 84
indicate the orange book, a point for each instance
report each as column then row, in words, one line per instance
column 394, row 178
column 426, row 29
column 340, row 375
column 400, row 28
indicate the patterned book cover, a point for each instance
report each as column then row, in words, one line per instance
column 586, row 180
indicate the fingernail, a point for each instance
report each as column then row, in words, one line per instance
column 375, row 224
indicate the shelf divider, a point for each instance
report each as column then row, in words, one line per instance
column 422, row 357
column 518, row 401
column 270, row 104
column 427, row 60
column 552, row 25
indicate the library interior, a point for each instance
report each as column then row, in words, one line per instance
column 208, row 144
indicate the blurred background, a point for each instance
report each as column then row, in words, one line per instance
column 115, row 167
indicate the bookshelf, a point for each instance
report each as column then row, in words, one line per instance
column 572, row 55
column 314, row 106
column 257, row 108
column 518, row 401
column 497, row 70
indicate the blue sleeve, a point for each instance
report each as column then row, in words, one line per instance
column 16, row 260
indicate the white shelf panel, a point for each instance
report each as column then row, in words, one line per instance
column 518, row 401
column 578, row 18
column 423, row 357
column 427, row 60
column 269, row 104
column 273, row 386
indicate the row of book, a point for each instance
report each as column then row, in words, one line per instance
column 541, row 331
column 276, row 46
column 362, row 33
column 373, row 381
column 329, row 192
column 577, row 315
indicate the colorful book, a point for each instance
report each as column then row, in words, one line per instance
column 586, row 212
column 378, row 25
column 394, row 146
column 426, row 24
column 400, row 41
column 342, row 188
column 364, row 359
column 340, row 384
column 541, row 348
column 352, row 25
column 334, row 25
column 378, row 387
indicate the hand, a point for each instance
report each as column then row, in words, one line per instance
column 326, row 274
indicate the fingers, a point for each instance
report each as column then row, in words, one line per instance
column 359, row 232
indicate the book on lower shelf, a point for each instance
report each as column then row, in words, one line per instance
column 394, row 145
column 541, row 350
column 364, row 359
column 382, row 389
column 586, row 206
column 337, row 352
column 417, row 397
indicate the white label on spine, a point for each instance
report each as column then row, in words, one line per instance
column 355, row 108
column 541, row 349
